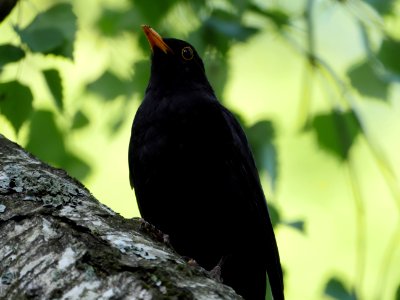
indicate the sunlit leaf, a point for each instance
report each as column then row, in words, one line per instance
column 52, row 31
column 389, row 55
column 109, row 86
column 364, row 78
column 260, row 137
column 80, row 120
column 53, row 79
column 337, row 290
column 15, row 103
column 336, row 132
column 10, row 53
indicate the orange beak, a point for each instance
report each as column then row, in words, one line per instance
column 155, row 40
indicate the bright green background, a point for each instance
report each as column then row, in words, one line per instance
column 349, row 204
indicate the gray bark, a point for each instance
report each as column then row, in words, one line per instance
column 58, row 242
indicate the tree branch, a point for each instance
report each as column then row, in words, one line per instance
column 58, row 241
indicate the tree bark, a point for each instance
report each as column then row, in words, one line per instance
column 58, row 242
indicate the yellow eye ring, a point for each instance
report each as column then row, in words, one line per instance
column 187, row 53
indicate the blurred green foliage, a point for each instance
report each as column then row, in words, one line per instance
column 336, row 132
column 51, row 32
column 336, row 289
column 214, row 27
column 16, row 102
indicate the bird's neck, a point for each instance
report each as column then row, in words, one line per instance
column 171, row 86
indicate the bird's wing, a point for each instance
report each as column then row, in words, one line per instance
column 250, row 175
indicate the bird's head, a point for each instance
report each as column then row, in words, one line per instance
column 175, row 63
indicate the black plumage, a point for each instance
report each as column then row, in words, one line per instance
column 194, row 175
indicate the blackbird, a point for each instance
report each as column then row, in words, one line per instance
column 194, row 174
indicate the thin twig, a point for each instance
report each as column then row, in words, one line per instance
column 360, row 227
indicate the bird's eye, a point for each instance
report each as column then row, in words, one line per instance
column 187, row 53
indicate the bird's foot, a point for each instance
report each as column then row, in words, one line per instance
column 191, row 262
column 216, row 271
column 154, row 232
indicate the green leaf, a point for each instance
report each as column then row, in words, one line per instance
column 109, row 86
column 44, row 40
column 151, row 13
column 268, row 295
column 141, row 77
column 260, row 137
column 274, row 214
column 336, row 132
column 364, row 78
column 337, row 290
column 397, row 297
column 240, row 6
column 80, row 120
column 10, row 53
column 389, row 54
column 382, row 6
column 227, row 24
column 298, row 225
column 221, row 28
column 117, row 123
column 52, row 31
column 75, row 166
column 113, row 22
column 15, row 103
column 45, row 139
column 217, row 72
column 53, row 79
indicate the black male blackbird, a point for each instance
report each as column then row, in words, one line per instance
column 194, row 175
